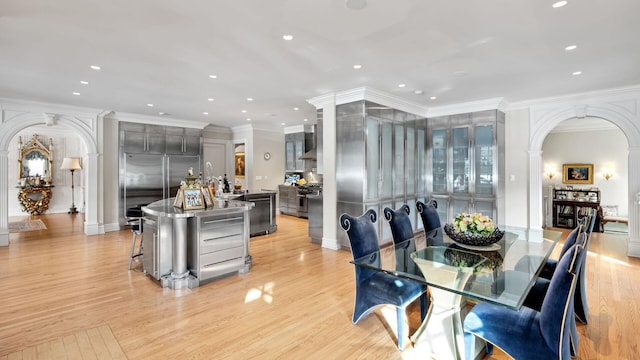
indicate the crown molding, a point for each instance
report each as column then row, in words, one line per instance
column 49, row 109
column 159, row 120
column 600, row 95
column 468, row 107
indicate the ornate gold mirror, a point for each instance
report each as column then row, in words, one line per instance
column 35, row 162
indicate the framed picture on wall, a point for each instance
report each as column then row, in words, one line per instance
column 239, row 165
column 577, row 173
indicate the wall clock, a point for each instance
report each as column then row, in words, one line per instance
column 267, row 156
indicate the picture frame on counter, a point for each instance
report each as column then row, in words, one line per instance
column 193, row 199
column 177, row 202
column 207, row 196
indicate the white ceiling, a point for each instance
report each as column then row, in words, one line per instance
column 162, row 52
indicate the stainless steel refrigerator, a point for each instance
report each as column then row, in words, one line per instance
column 153, row 161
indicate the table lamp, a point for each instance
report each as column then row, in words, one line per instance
column 73, row 164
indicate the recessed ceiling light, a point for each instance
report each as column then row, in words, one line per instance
column 296, row 109
column 84, row 82
column 248, row 119
column 283, row 124
column 95, row 67
column 356, row 4
column 576, row 73
column 287, row 37
column 243, row 111
column 150, row 105
column 210, row 99
column 433, row 97
column 162, row 113
column 401, row 85
column 559, row 4
column 76, row 93
column 571, row 47
column 213, row 76
column 205, row 113
column 305, row 119
column 417, row 92
column 249, row 99
column 357, row 66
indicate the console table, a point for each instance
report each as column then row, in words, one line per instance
column 34, row 199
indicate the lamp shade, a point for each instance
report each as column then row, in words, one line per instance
column 71, row 163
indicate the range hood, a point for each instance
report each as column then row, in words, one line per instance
column 311, row 154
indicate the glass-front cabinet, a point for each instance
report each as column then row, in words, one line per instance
column 466, row 160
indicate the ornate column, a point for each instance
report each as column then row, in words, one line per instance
column 634, row 202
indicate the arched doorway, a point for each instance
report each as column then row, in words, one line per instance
column 13, row 125
column 572, row 142
column 624, row 117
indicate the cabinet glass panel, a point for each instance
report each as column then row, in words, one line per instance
column 421, row 166
column 439, row 159
column 373, row 158
column 484, row 159
column 299, row 152
column 443, row 207
column 398, row 184
column 411, row 161
column 460, row 206
column 485, row 207
column 386, row 151
column 290, row 153
column 460, row 160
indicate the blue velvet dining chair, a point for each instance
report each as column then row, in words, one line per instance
column 429, row 215
column 530, row 334
column 399, row 222
column 538, row 292
column 375, row 288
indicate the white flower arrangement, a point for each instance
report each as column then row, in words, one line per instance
column 475, row 223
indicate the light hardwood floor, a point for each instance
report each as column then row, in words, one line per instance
column 295, row 303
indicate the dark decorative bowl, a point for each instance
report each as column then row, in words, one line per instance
column 472, row 239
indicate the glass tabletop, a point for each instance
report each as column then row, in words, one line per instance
column 501, row 274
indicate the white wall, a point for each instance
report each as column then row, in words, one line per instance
column 268, row 174
column 603, row 149
column 517, row 168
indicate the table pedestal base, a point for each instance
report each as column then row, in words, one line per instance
column 187, row 282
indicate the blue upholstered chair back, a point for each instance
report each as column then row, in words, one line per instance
column 361, row 232
column 399, row 222
column 429, row 214
column 558, row 303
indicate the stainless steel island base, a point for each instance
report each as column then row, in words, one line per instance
column 189, row 247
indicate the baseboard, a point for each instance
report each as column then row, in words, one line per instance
column 330, row 243
column 112, row 227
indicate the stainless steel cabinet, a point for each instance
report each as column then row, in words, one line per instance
column 378, row 163
column 218, row 245
column 157, row 238
column 296, row 145
column 288, row 196
column 466, row 161
column 183, row 141
column 142, row 138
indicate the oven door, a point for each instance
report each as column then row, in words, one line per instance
column 302, row 204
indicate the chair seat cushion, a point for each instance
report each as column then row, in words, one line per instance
column 507, row 328
column 383, row 288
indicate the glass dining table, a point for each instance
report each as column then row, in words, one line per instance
column 458, row 274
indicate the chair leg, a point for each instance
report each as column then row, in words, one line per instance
column 133, row 246
column 400, row 314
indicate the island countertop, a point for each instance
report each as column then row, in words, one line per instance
column 165, row 208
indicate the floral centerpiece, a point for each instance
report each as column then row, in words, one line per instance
column 473, row 229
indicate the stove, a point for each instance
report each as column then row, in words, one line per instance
column 309, row 189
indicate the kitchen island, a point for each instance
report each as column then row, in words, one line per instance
column 185, row 247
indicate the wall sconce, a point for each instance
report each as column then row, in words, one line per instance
column 549, row 173
column 607, row 174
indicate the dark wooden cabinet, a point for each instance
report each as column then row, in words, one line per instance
column 570, row 206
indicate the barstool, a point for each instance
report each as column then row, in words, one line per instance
column 134, row 218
